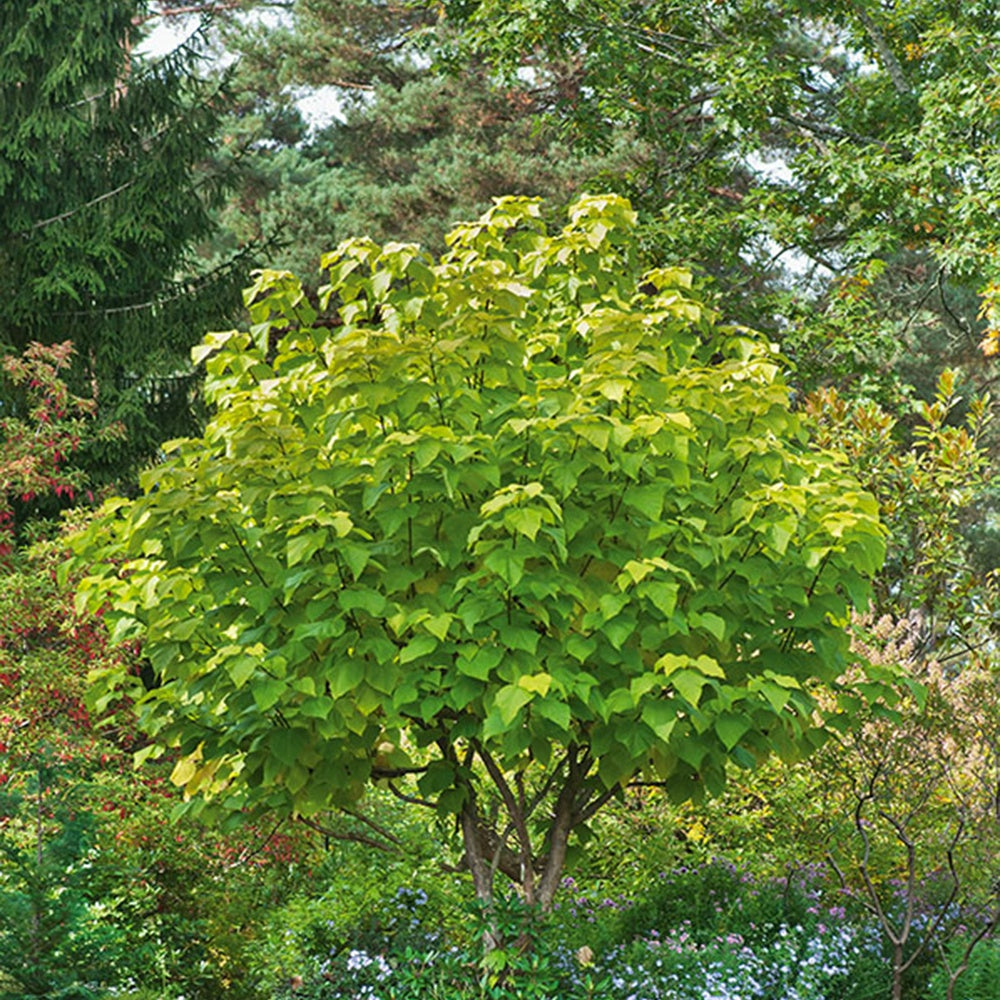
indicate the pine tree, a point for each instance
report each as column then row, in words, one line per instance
column 413, row 147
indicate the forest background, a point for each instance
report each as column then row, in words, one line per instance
column 828, row 171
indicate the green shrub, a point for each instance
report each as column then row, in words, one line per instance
column 980, row 981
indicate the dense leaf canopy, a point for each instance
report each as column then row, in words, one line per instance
column 525, row 502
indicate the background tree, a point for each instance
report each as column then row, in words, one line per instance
column 828, row 133
column 51, row 757
column 917, row 786
column 926, row 491
column 409, row 150
column 513, row 527
column 95, row 885
column 105, row 190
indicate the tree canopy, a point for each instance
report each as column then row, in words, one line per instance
column 854, row 141
column 524, row 518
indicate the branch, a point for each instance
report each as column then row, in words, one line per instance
column 957, row 320
column 199, row 8
column 372, row 825
column 931, row 932
column 516, row 815
column 397, row 772
column 247, row 854
column 412, row 799
column 350, row 85
column 889, row 60
column 253, row 565
column 859, row 825
column 71, row 212
column 587, row 811
column 180, row 290
column 831, row 132
column 504, row 859
column 350, row 836
column 832, row 861
column 986, row 930
column 546, row 786
column 563, row 821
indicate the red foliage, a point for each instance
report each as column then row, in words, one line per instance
column 38, row 443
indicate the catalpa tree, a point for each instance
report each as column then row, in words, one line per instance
column 503, row 531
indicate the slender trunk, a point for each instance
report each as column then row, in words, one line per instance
column 482, row 875
column 39, row 828
column 897, row 971
column 562, row 827
column 36, row 913
column 480, row 867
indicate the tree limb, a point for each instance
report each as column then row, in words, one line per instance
column 517, row 818
column 888, row 57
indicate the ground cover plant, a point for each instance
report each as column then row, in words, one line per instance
column 708, row 929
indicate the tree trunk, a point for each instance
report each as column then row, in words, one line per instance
column 562, row 827
column 897, row 971
column 480, row 867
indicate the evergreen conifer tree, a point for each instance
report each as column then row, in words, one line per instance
column 106, row 185
column 412, row 146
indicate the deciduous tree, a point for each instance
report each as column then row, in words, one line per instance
column 510, row 528
column 837, row 135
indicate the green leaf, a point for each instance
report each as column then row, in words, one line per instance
column 776, row 695
column 438, row 625
column 267, row 692
column 731, row 728
column 597, row 434
column 636, row 571
column 302, row 546
column 422, row 645
column 670, row 662
column 536, row 683
column 481, row 663
column 509, row 700
column 708, row 666
column 581, row 647
column 355, row 556
column 507, row 564
column 555, row 711
column 661, row 717
column 438, row 776
column 287, row 744
column 711, row 623
column 663, row 596
column 688, row 684
column 363, row 599
column 524, row 520
column 241, row 669
column 525, row 639
column 346, row 676
column 648, row 500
